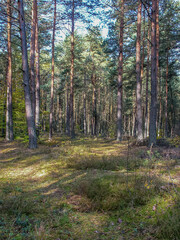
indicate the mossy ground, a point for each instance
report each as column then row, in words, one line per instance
column 88, row 189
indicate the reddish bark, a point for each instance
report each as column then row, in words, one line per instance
column 138, row 75
column 52, row 76
column 120, row 77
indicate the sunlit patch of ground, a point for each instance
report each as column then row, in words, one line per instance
column 88, row 189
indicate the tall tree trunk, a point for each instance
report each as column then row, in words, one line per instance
column 28, row 105
column 9, row 119
column 120, row 77
column 153, row 108
column 52, row 76
column 138, row 75
column 84, row 107
column 157, row 62
column 67, row 112
column 37, row 108
column 166, row 99
column 32, row 56
column 60, row 104
column 95, row 111
column 142, row 70
column 58, row 113
column 94, row 105
column 147, row 84
column 72, row 76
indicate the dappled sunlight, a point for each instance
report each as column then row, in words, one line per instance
column 7, row 150
column 88, row 188
column 8, row 160
column 75, row 178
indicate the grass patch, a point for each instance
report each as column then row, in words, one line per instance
column 119, row 191
column 88, row 189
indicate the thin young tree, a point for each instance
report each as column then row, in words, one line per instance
column 52, row 76
column 9, row 119
column 166, row 98
column 138, row 75
column 120, row 76
column 153, row 107
column 25, row 66
column 94, row 104
column 147, row 83
column 84, row 107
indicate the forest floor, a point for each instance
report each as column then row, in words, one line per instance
column 87, row 189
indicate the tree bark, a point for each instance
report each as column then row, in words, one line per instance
column 84, row 107
column 138, row 75
column 72, row 76
column 153, row 108
column 157, row 63
column 166, row 99
column 147, row 85
column 67, row 111
column 32, row 57
column 94, row 106
column 120, row 77
column 52, row 76
column 28, row 105
column 37, row 53
column 9, row 119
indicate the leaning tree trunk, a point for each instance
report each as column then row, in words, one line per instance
column 37, row 108
column 52, row 77
column 153, row 108
column 138, row 75
column 28, row 104
column 72, row 78
column 9, row 119
column 120, row 77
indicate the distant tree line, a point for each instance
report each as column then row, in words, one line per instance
column 126, row 84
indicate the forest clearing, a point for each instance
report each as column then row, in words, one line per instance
column 89, row 189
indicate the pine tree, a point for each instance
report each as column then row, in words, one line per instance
column 28, row 104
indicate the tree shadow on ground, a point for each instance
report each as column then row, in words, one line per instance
column 63, row 199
